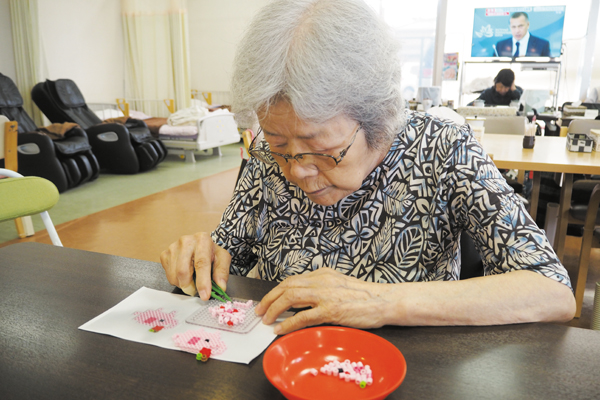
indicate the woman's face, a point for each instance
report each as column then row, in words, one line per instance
column 287, row 134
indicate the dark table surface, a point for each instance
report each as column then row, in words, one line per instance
column 47, row 292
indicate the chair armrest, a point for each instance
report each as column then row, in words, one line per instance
column 107, row 133
column 111, row 144
column 135, row 123
column 8, row 143
column 10, row 173
column 44, row 144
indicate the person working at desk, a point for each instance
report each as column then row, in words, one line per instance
column 353, row 203
column 503, row 92
column 522, row 43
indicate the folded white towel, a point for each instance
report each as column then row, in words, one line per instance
column 184, row 130
column 187, row 116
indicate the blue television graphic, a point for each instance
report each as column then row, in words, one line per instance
column 492, row 35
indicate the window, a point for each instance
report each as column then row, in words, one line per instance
column 414, row 24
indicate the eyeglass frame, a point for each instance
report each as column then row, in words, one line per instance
column 252, row 151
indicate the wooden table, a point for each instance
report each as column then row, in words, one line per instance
column 548, row 155
column 46, row 292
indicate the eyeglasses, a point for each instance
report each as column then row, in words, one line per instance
column 259, row 148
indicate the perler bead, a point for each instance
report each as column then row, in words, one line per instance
column 157, row 319
column 203, row 355
column 235, row 316
column 230, row 313
column 349, row 371
column 196, row 341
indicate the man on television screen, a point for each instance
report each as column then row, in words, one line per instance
column 503, row 92
column 522, row 42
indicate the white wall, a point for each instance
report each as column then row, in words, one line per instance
column 7, row 58
column 215, row 28
column 83, row 41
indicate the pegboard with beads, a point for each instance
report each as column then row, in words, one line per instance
column 204, row 317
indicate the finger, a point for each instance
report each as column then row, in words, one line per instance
column 267, row 300
column 293, row 297
column 274, row 294
column 165, row 258
column 297, row 281
column 190, row 289
column 180, row 261
column 171, row 273
column 310, row 317
column 203, row 260
column 221, row 265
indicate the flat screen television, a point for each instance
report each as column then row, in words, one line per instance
column 496, row 29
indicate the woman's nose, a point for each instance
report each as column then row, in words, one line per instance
column 301, row 171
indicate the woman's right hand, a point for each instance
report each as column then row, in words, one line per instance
column 196, row 253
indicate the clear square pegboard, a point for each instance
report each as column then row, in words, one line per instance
column 203, row 317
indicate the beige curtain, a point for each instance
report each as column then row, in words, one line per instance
column 30, row 62
column 156, row 54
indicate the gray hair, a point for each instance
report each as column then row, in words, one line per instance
column 326, row 58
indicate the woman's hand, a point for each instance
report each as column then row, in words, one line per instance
column 333, row 298
column 196, row 253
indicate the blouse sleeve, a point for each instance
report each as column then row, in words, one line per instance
column 236, row 232
column 484, row 205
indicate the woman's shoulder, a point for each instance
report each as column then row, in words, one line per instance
column 255, row 173
column 445, row 127
column 425, row 138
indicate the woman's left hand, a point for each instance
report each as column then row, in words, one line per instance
column 333, row 297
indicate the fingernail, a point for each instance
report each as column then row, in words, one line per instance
column 277, row 329
column 203, row 295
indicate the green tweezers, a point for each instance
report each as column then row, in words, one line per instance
column 217, row 292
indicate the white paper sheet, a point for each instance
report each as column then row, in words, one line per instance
column 120, row 321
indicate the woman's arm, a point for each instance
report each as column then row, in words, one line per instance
column 517, row 92
column 514, row 297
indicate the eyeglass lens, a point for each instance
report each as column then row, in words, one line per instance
column 322, row 162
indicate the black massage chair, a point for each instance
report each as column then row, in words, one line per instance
column 67, row 161
column 121, row 148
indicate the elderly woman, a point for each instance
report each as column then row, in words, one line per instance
column 354, row 204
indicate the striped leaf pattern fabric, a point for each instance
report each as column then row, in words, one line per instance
column 402, row 225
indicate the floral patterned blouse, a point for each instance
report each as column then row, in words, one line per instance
column 402, row 225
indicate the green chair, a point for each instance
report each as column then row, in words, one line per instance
column 27, row 195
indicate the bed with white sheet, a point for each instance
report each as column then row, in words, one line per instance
column 186, row 132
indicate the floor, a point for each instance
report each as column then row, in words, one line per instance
column 111, row 190
column 139, row 216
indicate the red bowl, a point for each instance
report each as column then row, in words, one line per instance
column 288, row 361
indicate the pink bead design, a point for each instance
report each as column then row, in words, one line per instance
column 230, row 313
column 157, row 319
column 196, row 340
